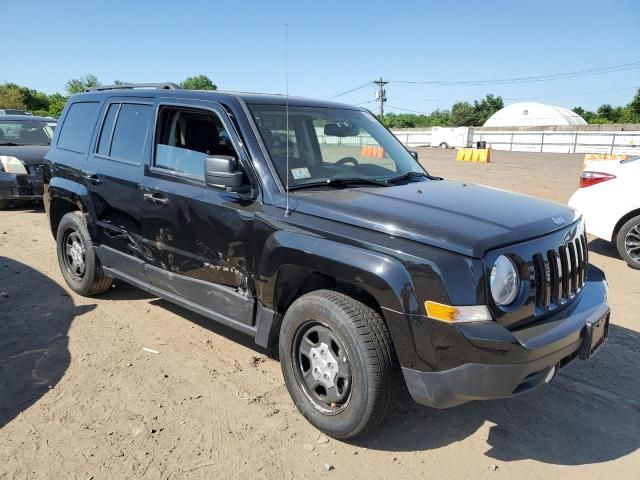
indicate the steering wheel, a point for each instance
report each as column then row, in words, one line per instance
column 344, row 160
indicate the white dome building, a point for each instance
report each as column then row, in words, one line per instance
column 533, row 114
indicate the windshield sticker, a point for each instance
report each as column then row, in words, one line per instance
column 300, row 173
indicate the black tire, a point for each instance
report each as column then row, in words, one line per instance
column 86, row 279
column 4, row 204
column 443, row 146
column 374, row 382
column 628, row 242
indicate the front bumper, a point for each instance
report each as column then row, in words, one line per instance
column 20, row 186
column 500, row 363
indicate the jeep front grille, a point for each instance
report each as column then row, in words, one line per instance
column 560, row 274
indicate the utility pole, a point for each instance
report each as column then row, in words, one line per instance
column 381, row 95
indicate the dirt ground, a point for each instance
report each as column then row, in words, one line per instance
column 81, row 399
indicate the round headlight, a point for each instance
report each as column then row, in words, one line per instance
column 505, row 281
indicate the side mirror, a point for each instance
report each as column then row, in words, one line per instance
column 414, row 154
column 222, row 171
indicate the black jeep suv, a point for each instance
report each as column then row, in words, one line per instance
column 309, row 226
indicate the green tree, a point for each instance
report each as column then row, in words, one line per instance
column 78, row 85
column 11, row 97
column 485, row 108
column 199, row 82
column 634, row 104
column 607, row 113
column 463, row 115
column 56, row 104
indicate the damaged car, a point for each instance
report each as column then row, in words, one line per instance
column 24, row 140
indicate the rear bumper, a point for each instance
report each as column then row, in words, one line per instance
column 20, row 187
column 501, row 363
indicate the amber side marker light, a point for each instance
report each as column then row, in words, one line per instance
column 460, row 314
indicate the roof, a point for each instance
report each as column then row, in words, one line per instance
column 219, row 95
column 13, row 118
column 533, row 114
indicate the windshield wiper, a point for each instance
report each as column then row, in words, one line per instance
column 340, row 182
column 407, row 176
column 11, row 144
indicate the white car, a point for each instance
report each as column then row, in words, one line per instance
column 609, row 199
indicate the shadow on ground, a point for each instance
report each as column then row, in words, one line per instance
column 604, row 248
column 35, row 316
column 589, row 414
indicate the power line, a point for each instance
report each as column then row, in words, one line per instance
column 360, row 87
column 530, row 79
column 574, row 94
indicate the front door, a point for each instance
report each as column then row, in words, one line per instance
column 198, row 239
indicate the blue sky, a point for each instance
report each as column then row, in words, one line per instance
column 333, row 46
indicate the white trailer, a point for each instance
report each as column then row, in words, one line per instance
column 452, row 137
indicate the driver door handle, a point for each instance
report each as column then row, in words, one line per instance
column 156, row 198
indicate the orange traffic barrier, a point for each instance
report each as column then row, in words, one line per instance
column 372, row 151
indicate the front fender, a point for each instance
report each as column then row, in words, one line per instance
column 381, row 276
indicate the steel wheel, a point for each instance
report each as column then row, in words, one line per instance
column 74, row 255
column 632, row 243
column 322, row 366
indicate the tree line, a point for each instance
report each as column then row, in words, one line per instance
column 475, row 114
column 19, row 97
column 467, row 114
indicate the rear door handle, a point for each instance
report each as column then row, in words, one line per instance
column 92, row 178
column 156, row 198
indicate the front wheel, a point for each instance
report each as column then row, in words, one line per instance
column 628, row 242
column 78, row 261
column 338, row 363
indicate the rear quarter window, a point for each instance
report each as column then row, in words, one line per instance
column 77, row 126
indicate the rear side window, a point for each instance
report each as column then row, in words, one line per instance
column 124, row 131
column 77, row 126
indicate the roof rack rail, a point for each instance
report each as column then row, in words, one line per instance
column 131, row 86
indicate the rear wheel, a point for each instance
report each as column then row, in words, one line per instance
column 79, row 264
column 628, row 242
column 444, row 145
column 338, row 363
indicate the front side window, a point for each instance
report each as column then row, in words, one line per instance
column 25, row 132
column 185, row 137
column 327, row 144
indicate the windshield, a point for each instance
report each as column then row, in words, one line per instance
column 328, row 144
column 25, row 132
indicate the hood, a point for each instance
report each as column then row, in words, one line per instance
column 461, row 217
column 29, row 154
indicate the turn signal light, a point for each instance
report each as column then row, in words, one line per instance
column 449, row 314
column 588, row 179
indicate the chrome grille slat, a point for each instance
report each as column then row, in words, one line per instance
column 560, row 273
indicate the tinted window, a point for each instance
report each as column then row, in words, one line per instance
column 77, row 126
column 104, row 144
column 130, row 132
column 186, row 136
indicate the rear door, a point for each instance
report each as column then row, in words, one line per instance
column 112, row 175
column 198, row 239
